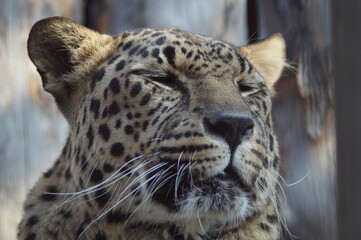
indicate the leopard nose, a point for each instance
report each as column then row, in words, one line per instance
column 231, row 128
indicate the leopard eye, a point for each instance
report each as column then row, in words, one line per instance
column 246, row 89
column 161, row 79
column 168, row 80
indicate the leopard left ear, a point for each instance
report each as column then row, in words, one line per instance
column 268, row 57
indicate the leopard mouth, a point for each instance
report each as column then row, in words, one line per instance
column 222, row 193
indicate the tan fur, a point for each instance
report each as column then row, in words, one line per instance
column 50, row 42
column 147, row 157
column 267, row 56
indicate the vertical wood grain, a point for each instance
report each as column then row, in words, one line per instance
column 32, row 131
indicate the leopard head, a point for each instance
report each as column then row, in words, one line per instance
column 167, row 127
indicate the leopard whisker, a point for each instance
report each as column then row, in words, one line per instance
column 103, row 213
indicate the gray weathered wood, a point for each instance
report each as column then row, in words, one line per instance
column 32, row 131
column 304, row 115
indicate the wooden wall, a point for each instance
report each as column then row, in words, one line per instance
column 32, row 131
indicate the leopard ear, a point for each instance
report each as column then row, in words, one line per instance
column 63, row 52
column 268, row 57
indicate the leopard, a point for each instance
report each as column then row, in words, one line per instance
column 170, row 136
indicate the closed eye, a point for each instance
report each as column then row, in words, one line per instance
column 247, row 89
column 163, row 79
column 244, row 88
column 168, row 80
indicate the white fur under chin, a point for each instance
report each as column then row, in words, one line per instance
column 199, row 213
column 218, row 207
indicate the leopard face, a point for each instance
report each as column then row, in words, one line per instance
column 167, row 127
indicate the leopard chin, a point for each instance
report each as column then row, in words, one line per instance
column 222, row 196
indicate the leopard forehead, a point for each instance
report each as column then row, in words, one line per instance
column 178, row 49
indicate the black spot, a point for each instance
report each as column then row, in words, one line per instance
column 262, row 184
column 127, row 45
column 128, row 129
column 260, row 156
column 118, row 123
column 84, row 164
column 31, row 236
column 112, row 59
column 114, row 86
column 196, row 109
column 137, row 115
column 271, row 143
column 105, row 93
column 125, row 35
column 100, row 235
column 84, row 115
column 189, row 55
column 120, row 65
column 143, row 51
column 97, row 76
column 161, row 40
column 184, row 51
column 265, row 227
column 229, row 56
column 116, row 217
column 32, row 221
column 189, row 43
column 94, row 107
column 136, row 137
column 156, row 34
column 65, row 213
column 133, row 50
column 159, row 60
column 145, row 99
column 105, row 112
column 108, row 168
column 102, row 197
column 48, row 195
column 117, row 149
column 90, row 136
column 128, row 158
column 276, row 162
column 104, row 132
column 153, row 110
column 114, row 108
column 145, row 125
column 169, row 52
column 137, row 87
column 137, row 124
column 155, row 52
column 129, row 115
column 67, row 174
column 155, row 120
column 96, row 176
column 272, row 218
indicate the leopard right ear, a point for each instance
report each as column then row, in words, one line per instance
column 63, row 52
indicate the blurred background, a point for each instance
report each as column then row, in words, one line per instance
column 32, row 131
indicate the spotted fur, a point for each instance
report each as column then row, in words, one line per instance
column 171, row 136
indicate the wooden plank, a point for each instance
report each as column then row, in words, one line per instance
column 32, row 131
column 304, row 115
